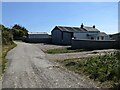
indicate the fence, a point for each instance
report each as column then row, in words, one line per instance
column 94, row 44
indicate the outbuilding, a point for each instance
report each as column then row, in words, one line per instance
column 38, row 37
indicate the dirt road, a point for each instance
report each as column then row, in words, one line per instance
column 28, row 68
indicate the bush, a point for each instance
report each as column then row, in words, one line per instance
column 6, row 36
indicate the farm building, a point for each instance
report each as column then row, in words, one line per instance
column 38, row 37
column 63, row 35
column 115, row 36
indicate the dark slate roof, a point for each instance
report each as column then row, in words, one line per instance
column 76, row 29
column 90, row 29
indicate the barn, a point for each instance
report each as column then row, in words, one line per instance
column 38, row 37
column 62, row 35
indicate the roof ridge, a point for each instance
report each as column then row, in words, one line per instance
column 69, row 26
column 75, row 26
column 75, row 29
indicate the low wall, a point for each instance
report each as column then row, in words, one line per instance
column 37, row 40
column 93, row 44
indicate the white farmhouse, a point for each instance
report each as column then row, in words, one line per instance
column 91, row 33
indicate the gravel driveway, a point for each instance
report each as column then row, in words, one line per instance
column 28, row 68
column 75, row 55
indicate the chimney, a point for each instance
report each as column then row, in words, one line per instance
column 93, row 26
column 82, row 25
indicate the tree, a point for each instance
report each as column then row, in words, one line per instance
column 19, row 31
column 6, row 35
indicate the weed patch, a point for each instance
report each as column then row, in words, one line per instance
column 5, row 49
column 63, row 50
column 101, row 68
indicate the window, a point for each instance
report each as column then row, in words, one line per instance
column 92, row 38
column 102, row 37
column 97, row 38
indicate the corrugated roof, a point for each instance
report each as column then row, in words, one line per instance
column 76, row 29
column 37, row 33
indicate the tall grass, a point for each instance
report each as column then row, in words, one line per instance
column 5, row 50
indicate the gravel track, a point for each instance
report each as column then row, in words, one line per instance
column 28, row 68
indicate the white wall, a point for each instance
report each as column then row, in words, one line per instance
column 83, row 35
column 106, row 37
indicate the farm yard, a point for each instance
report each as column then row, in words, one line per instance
column 68, row 55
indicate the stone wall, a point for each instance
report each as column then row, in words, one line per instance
column 94, row 44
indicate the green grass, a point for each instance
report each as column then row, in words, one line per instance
column 103, row 68
column 63, row 50
column 5, row 49
column 18, row 40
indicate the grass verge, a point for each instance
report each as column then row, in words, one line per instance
column 63, row 50
column 102, row 68
column 5, row 50
column 18, row 40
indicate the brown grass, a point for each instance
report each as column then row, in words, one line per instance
column 3, row 61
